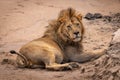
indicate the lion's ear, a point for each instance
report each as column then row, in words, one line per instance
column 79, row 16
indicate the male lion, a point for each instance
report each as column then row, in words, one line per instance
column 60, row 47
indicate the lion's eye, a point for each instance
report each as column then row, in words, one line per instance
column 69, row 27
column 77, row 24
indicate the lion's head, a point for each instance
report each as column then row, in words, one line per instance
column 68, row 26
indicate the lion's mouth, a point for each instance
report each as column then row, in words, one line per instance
column 76, row 39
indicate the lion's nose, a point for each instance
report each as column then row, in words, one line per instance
column 76, row 33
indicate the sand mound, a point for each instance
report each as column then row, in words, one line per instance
column 106, row 67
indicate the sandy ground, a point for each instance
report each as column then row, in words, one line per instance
column 24, row 20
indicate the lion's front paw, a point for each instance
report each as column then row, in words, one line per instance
column 74, row 65
column 67, row 68
column 70, row 66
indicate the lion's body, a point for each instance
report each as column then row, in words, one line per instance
column 61, row 43
column 41, row 50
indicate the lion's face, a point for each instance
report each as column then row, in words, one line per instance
column 72, row 30
column 68, row 26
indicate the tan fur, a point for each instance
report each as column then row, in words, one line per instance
column 61, row 43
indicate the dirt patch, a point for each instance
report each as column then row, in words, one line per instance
column 112, row 18
column 24, row 20
column 106, row 67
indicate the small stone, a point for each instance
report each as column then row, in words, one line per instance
column 107, row 18
column 98, row 15
column 89, row 16
column 111, row 78
column 116, row 37
column 82, row 70
column 114, row 69
column 4, row 61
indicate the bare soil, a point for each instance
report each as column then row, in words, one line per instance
column 24, row 20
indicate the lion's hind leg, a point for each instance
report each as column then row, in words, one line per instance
column 21, row 62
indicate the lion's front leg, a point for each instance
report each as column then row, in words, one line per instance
column 88, row 56
column 78, row 55
column 61, row 67
column 51, row 64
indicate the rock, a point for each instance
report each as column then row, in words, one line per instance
column 82, row 70
column 111, row 78
column 118, row 74
column 4, row 61
column 116, row 37
column 116, row 18
column 89, row 16
column 97, row 15
column 107, row 18
column 114, row 69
